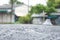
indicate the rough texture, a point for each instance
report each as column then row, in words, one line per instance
column 29, row 32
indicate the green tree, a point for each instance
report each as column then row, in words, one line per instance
column 40, row 8
column 37, row 9
column 53, row 3
column 57, row 2
column 49, row 10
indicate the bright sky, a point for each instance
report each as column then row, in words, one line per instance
column 31, row 2
column 34, row 2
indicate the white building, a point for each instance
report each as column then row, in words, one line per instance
column 38, row 18
column 22, row 10
column 5, row 13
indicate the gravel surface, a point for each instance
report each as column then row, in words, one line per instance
column 29, row 32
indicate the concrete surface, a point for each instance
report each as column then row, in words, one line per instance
column 29, row 32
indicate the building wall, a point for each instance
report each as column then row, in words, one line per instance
column 37, row 20
column 6, row 18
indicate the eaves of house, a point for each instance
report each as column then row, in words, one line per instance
column 7, row 7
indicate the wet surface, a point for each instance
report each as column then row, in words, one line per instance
column 29, row 32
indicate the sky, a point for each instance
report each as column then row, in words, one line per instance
column 31, row 3
column 34, row 2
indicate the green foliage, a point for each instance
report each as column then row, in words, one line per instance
column 37, row 9
column 57, row 2
column 51, row 6
column 49, row 10
column 25, row 19
column 53, row 3
column 40, row 8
